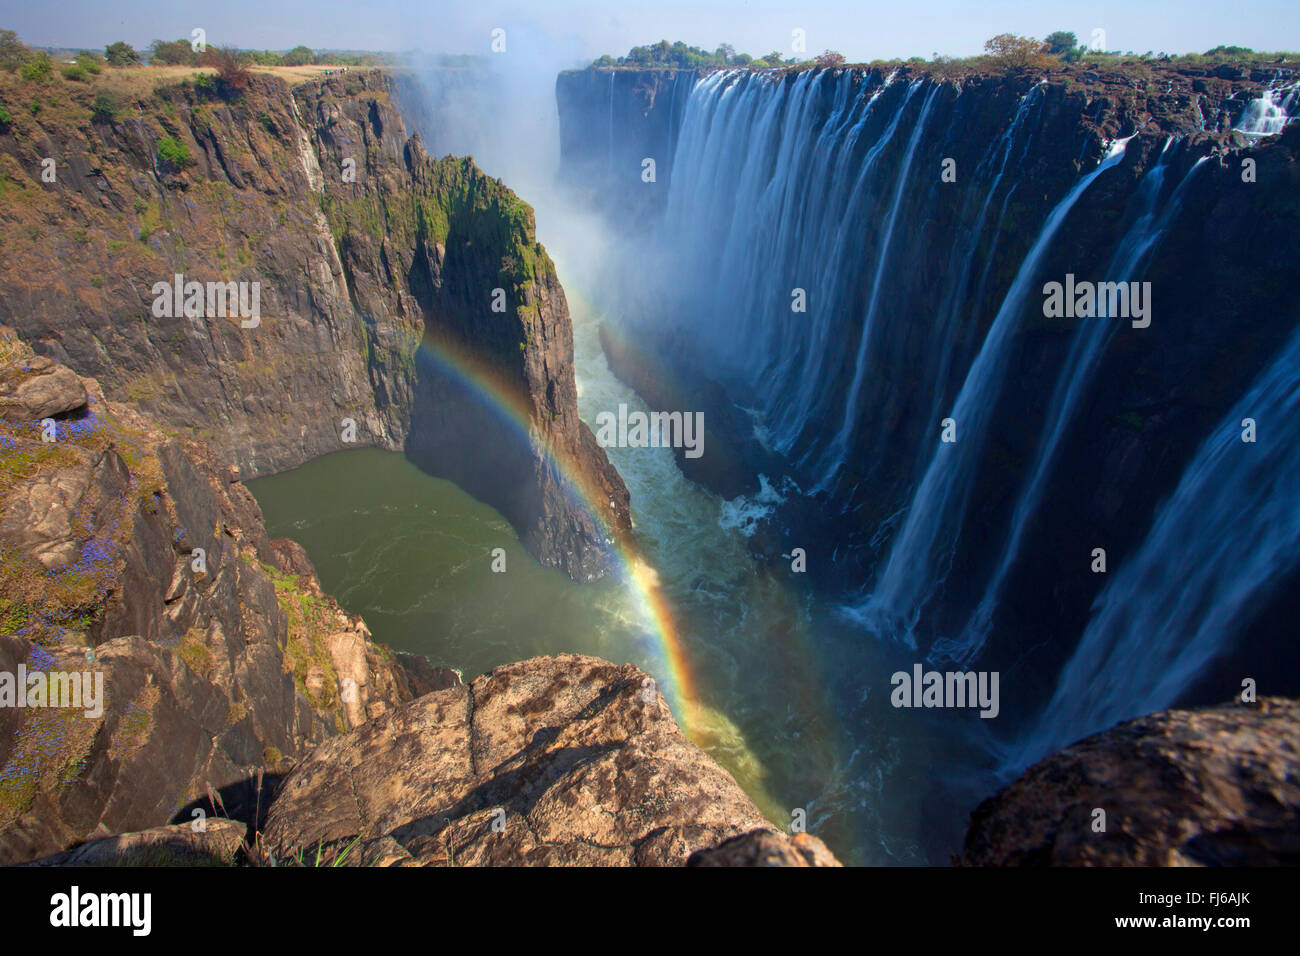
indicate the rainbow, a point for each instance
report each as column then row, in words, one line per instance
column 508, row 404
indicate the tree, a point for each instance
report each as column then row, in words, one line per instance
column 300, row 56
column 12, row 50
column 1061, row 42
column 726, row 53
column 830, row 59
column 175, row 52
column 121, row 54
column 1017, row 53
column 89, row 60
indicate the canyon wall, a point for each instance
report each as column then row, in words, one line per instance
column 921, row 217
column 378, row 269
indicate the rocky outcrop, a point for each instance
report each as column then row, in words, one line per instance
column 38, row 389
column 766, row 848
column 404, row 300
column 1211, row 787
column 563, row 760
column 211, row 843
column 130, row 557
column 212, row 663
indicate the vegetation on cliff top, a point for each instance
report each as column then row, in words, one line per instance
column 1004, row 52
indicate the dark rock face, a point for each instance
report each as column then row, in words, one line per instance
column 611, row 121
column 211, row 669
column 377, row 269
column 552, row 761
column 1211, row 787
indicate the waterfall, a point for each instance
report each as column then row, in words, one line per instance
column 1218, row 546
column 929, row 530
column 1090, row 340
column 836, row 451
column 1268, row 114
column 767, row 195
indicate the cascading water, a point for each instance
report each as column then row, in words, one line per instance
column 1270, row 112
column 1227, row 535
column 1150, row 222
column 915, row 559
column 782, row 216
column 835, row 453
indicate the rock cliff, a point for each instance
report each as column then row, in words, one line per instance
column 130, row 552
column 563, row 760
column 404, row 300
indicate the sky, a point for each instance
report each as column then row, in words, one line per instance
column 862, row 30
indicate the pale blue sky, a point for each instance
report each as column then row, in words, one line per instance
column 581, row 29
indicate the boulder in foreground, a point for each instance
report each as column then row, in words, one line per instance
column 1211, row 787
column 551, row 761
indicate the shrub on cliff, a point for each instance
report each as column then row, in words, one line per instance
column 12, row 51
column 37, row 68
column 1017, row 53
column 174, row 153
column 105, row 107
column 299, row 56
column 1061, row 42
column 175, row 52
column 90, row 61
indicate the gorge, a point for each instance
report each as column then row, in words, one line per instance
column 908, row 459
